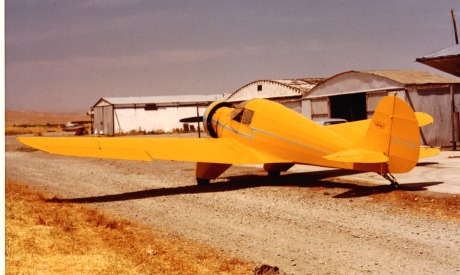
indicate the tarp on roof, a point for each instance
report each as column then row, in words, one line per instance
column 446, row 60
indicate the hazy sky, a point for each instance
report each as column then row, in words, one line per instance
column 65, row 55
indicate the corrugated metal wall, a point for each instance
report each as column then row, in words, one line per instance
column 320, row 108
column 372, row 100
column 163, row 119
column 103, row 120
column 293, row 105
column 437, row 103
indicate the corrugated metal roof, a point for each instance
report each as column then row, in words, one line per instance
column 373, row 81
column 295, row 87
column 446, row 60
column 412, row 77
column 163, row 99
column 450, row 51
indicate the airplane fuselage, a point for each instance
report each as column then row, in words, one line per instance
column 269, row 126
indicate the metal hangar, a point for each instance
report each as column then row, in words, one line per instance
column 354, row 95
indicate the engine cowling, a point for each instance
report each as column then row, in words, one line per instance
column 211, row 117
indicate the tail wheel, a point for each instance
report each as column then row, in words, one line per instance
column 393, row 183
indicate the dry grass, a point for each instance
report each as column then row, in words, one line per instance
column 42, row 118
column 30, row 122
column 11, row 130
column 445, row 207
column 43, row 238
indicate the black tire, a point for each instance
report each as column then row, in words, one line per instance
column 394, row 185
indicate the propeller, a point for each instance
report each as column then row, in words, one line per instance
column 192, row 119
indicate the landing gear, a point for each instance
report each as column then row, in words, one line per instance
column 394, row 184
column 202, row 181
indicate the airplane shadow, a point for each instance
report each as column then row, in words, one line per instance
column 363, row 191
column 306, row 179
column 421, row 164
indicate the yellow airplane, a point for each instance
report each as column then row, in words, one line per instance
column 260, row 131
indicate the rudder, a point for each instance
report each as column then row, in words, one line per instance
column 394, row 131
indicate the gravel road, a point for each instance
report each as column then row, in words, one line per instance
column 305, row 223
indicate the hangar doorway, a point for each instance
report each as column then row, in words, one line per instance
column 351, row 107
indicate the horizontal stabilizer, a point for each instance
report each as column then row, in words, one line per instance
column 426, row 152
column 423, row 119
column 358, row 156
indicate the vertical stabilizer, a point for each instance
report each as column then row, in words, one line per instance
column 394, row 131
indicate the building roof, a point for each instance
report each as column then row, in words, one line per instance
column 373, row 81
column 160, row 100
column 294, row 88
column 302, row 84
column 446, row 60
column 413, row 77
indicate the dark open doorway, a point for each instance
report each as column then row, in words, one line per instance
column 351, row 107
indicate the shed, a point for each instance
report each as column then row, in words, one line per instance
column 117, row 115
column 354, row 95
column 288, row 92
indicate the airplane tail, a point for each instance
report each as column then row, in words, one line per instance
column 394, row 131
column 391, row 143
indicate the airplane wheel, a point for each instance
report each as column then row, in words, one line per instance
column 394, row 184
column 202, row 181
column 274, row 174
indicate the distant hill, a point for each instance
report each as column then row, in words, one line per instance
column 41, row 118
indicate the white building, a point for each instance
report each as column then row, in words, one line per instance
column 288, row 92
column 121, row 115
column 117, row 115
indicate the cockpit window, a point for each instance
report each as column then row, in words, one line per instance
column 243, row 116
column 247, row 116
column 236, row 114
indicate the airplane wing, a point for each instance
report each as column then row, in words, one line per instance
column 207, row 150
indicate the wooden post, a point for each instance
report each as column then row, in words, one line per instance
column 454, row 142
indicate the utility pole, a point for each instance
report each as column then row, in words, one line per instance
column 455, row 26
column 455, row 116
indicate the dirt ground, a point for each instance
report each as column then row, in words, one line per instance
column 304, row 223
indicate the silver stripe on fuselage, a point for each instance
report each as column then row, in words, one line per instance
column 251, row 136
